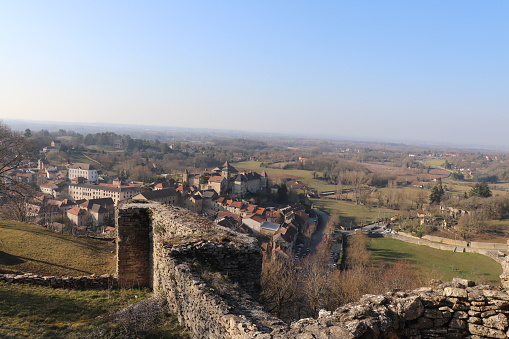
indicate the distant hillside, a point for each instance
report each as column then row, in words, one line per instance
column 26, row 248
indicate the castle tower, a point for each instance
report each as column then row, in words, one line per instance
column 185, row 176
column 226, row 170
column 264, row 180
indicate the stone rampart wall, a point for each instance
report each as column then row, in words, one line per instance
column 210, row 309
column 456, row 309
column 446, row 241
column 461, row 243
column 489, row 251
column 92, row 282
column 210, row 277
column 488, row 245
column 134, row 247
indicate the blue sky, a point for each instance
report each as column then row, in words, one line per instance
column 393, row 70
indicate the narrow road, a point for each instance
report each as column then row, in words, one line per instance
column 316, row 238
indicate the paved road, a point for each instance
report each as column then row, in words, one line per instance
column 317, row 236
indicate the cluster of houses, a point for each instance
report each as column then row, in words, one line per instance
column 76, row 196
column 80, row 215
column 228, row 180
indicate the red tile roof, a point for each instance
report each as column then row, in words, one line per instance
column 216, row 178
column 236, row 204
column 75, row 210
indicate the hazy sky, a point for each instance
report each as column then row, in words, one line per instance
column 402, row 70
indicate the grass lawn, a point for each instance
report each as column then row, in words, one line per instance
column 276, row 174
column 408, row 193
column 31, row 248
column 432, row 263
column 466, row 186
column 434, row 162
column 350, row 212
column 28, row 311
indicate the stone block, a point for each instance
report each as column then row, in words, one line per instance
column 463, row 282
column 493, row 294
column 457, row 323
column 498, row 321
column 433, row 313
column 488, row 314
column 410, row 308
column 422, row 323
column 460, row 315
column 440, row 322
column 455, row 292
column 486, row 331
column 475, row 320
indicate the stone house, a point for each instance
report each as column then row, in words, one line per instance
column 77, row 215
column 24, row 177
column 83, row 170
column 168, row 196
column 269, row 228
column 99, row 215
column 116, row 192
column 57, row 144
column 254, row 222
column 194, row 203
column 216, row 182
column 52, row 173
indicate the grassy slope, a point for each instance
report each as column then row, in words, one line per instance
column 28, row 311
column 434, row 162
column 433, row 263
column 35, row 249
column 277, row 173
column 350, row 212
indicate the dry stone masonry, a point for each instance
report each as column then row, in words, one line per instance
column 95, row 282
column 456, row 309
column 210, row 277
column 134, row 248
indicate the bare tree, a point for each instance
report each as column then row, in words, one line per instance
column 16, row 208
column 13, row 149
column 359, row 180
column 280, row 287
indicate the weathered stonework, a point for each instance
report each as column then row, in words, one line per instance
column 210, row 278
column 92, row 282
column 134, row 247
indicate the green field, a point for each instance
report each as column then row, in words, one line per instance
column 436, row 264
column 28, row 311
column 434, row 162
column 349, row 212
column 28, row 248
column 275, row 173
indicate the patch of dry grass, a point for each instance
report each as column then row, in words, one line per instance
column 35, row 249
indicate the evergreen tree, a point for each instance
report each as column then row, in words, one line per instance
column 481, row 189
column 282, row 193
column 437, row 192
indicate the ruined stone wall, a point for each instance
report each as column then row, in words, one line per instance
column 146, row 229
column 210, row 278
column 208, row 308
column 134, row 247
column 456, row 309
column 91, row 282
column 209, row 275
